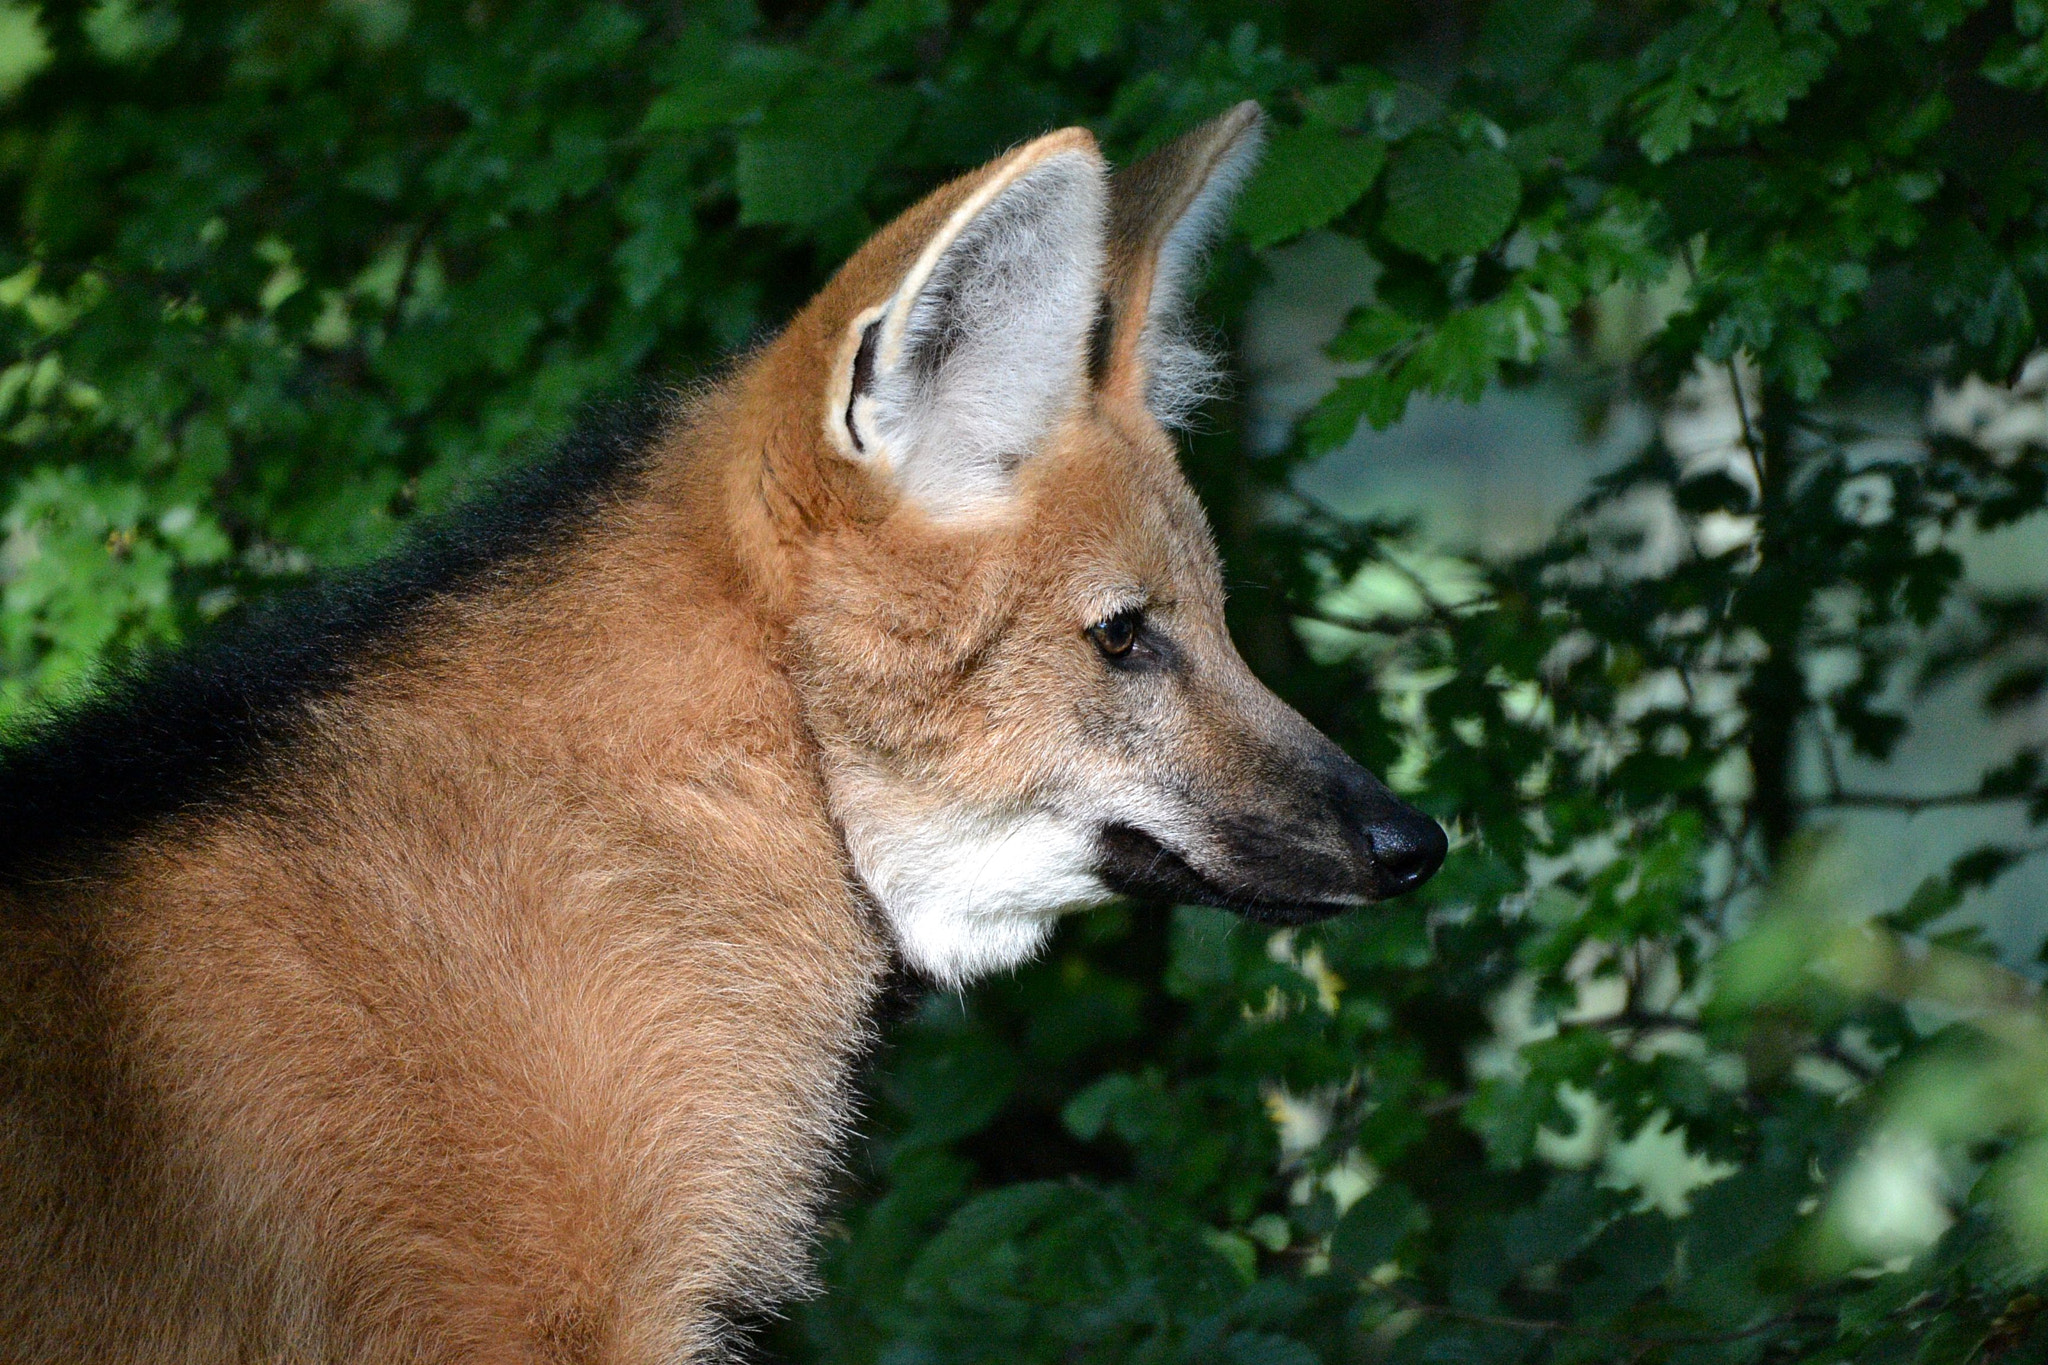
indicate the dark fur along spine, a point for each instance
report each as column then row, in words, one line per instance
column 195, row 730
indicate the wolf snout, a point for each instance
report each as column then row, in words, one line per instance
column 1405, row 848
column 1396, row 846
column 1285, row 865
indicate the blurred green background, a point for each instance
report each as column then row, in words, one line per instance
column 1637, row 454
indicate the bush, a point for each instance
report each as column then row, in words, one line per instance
column 1635, row 1078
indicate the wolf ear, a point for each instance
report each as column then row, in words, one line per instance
column 1163, row 213
column 966, row 369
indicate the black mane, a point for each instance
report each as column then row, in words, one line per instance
column 181, row 731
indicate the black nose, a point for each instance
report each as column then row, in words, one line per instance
column 1407, row 849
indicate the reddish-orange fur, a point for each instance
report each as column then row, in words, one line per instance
column 516, row 1027
column 512, row 1021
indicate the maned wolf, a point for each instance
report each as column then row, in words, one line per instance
column 468, row 966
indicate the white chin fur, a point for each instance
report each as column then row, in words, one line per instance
column 972, row 892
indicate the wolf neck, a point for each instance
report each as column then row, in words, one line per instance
column 597, row 786
column 512, row 988
column 653, row 670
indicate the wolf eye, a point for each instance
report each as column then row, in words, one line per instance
column 1115, row 636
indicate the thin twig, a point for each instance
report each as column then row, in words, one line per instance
column 1386, row 623
column 1437, row 606
column 1827, row 754
column 1749, row 442
column 408, row 272
column 1898, row 801
column 1855, row 1066
column 1651, row 1021
column 1573, row 1329
column 1911, row 805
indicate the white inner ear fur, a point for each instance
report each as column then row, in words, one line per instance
column 1181, row 373
column 982, row 349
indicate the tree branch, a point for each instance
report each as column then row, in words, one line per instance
column 1573, row 1329
column 1912, row 805
column 1651, row 1021
column 1749, row 441
column 1386, row 623
column 408, row 272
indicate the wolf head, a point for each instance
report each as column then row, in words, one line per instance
column 1000, row 600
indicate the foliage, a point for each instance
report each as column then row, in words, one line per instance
column 279, row 279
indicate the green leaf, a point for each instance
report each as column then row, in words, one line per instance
column 952, row 1090
column 810, row 159
column 1347, row 102
column 658, row 203
column 1735, row 1219
column 1308, row 177
column 1634, row 1255
column 1371, row 333
column 1200, row 958
column 1933, row 898
column 715, row 84
column 1236, row 1249
column 1450, row 1343
column 2017, row 65
column 881, row 21
column 24, row 50
column 1088, row 1112
column 1443, row 201
column 1505, row 1115
column 1071, row 31
column 1374, row 1227
column 1266, row 1348
column 1460, row 357
column 1978, row 868
column 123, row 31
column 1526, row 40
column 1378, row 399
column 1669, row 113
